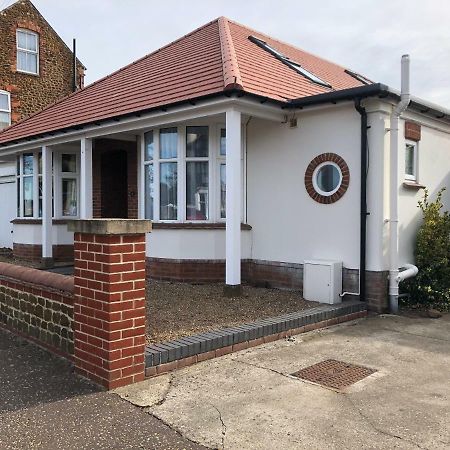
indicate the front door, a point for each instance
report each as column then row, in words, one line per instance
column 114, row 185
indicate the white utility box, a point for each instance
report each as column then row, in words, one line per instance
column 322, row 281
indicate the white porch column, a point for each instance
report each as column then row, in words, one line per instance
column 47, row 180
column 86, row 179
column 233, row 203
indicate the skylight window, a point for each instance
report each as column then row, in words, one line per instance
column 284, row 59
column 358, row 76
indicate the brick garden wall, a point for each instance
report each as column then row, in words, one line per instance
column 38, row 305
column 30, row 93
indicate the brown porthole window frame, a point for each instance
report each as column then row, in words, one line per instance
column 311, row 171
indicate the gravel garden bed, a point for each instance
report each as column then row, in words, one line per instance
column 175, row 310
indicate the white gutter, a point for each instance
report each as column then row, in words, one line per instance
column 394, row 276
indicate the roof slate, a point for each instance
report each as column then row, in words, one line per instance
column 208, row 61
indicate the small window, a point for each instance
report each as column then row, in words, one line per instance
column 69, row 185
column 5, row 109
column 27, row 52
column 286, row 60
column 327, row 178
column 411, row 161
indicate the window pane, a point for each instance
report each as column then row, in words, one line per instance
column 21, row 39
column 31, row 65
column 69, row 197
column 5, row 119
column 168, row 191
column 328, row 178
column 21, row 60
column 32, row 40
column 4, row 102
column 223, row 142
column 409, row 159
column 148, row 154
column 28, row 163
column 197, row 190
column 69, row 163
column 28, row 196
column 149, row 191
column 223, row 191
column 197, row 142
column 168, row 142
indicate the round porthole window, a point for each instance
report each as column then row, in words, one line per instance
column 327, row 178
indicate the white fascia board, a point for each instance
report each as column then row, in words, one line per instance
column 151, row 120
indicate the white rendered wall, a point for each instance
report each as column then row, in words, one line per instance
column 288, row 225
column 32, row 234
column 433, row 172
column 193, row 244
column 7, row 203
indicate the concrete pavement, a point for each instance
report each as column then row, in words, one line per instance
column 249, row 400
column 43, row 405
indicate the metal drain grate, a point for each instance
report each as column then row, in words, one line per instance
column 334, row 374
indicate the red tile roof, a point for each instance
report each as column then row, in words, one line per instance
column 208, row 61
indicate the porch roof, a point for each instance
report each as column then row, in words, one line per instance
column 213, row 60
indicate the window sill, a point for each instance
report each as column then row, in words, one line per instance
column 23, row 221
column 409, row 184
column 31, row 74
column 194, row 226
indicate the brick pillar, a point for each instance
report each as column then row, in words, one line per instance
column 109, row 305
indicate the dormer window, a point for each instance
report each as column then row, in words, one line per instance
column 27, row 52
column 5, row 109
column 285, row 60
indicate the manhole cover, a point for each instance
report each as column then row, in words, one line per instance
column 334, row 374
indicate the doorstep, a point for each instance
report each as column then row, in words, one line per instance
column 167, row 356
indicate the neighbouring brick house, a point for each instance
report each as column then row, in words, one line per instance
column 36, row 66
column 249, row 155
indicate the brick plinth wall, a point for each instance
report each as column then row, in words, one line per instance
column 33, row 252
column 268, row 274
column 109, row 306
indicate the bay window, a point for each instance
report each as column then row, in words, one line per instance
column 184, row 173
column 65, row 185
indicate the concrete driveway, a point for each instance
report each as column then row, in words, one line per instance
column 249, row 400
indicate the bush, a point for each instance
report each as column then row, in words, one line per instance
column 431, row 286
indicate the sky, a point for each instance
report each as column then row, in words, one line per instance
column 368, row 36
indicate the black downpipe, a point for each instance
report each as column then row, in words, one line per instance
column 363, row 202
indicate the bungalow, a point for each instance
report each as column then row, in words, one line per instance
column 253, row 159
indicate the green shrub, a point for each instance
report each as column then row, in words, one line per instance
column 431, row 286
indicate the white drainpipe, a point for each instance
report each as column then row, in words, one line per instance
column 395, row 277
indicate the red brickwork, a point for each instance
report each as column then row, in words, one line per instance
column 413, row 131
column 33, row 252
column 109, row 309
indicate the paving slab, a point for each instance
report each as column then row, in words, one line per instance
column 250, row 400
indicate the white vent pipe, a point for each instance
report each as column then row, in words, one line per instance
column 394, row 276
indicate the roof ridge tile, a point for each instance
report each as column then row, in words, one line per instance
column 231, row 74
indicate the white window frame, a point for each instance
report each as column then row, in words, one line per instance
column 314, row 178
column 57, row 186
column 8, row 111
column 25, row 50
column 414, row 175
column 214, row 161
column 35, row 176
